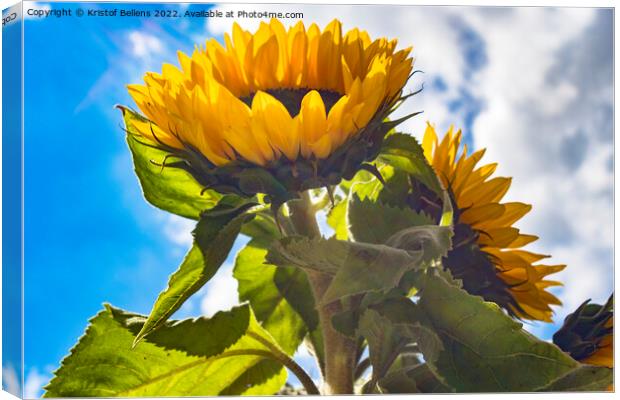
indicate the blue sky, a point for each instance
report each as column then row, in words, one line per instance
column 90, row 236
column 11, row 205
column 532, row 85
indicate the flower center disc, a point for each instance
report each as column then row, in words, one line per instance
column 291, row 98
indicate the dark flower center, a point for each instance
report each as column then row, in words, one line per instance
column 466, row 260
column 291, row 98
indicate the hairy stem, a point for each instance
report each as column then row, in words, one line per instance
column 340, row 350
column 289, row 363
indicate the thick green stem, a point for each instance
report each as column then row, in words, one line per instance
column 340, row 350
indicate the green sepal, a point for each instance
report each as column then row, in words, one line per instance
column 170, row 189
column 585, row 328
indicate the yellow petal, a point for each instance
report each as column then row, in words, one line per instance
column 313, row 124
column 335, row 128
column 373, row 89
column 330, row 56
column 523, row 240
column 500, row 237
column 487, row 192
column 298, row 47
column 513, row 212
column 477, row 214
column 313, row 78
column 464, row 168
column 321, row 148
column 429, row 142
column 270, row 118
column 283, row 64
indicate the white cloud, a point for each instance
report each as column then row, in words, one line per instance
column 144, row 44
column 10, row 380
column 220, row 294
column 179, row 230
column 545, row 96
column 143, row 49
column 546, row 84
column 33, row 387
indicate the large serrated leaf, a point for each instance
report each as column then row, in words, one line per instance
column 198, row 357
column 583, row 378
column 171, row 189
column 317, row 254
column 487, row 351
column 214, row 236
column 374, row 222
column 356, row 267
column 369, row 268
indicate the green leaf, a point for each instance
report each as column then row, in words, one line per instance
column 197, row 357
column 262, row 227
column 267, row 377
column 171, row 189
column 384, row 341
column 325, row 256
column 258, row 285
column 214, row 236
column 487, row 351
column 582, row 379
column 337, row 220
column 393, row 190
column 413, row 379
column 391, row 325
column 356, row 267
column 374, row 222
column 369, row 268
column 434, row 241
column 403, row 152
column 281, row 297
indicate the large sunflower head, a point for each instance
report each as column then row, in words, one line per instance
column 487, row 252
column 587, row 334
column 301, row 108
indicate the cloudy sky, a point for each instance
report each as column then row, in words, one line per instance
column 532, row 85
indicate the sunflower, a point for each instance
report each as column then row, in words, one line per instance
column 587, row 334
column 487, row 252
column 304, row 105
